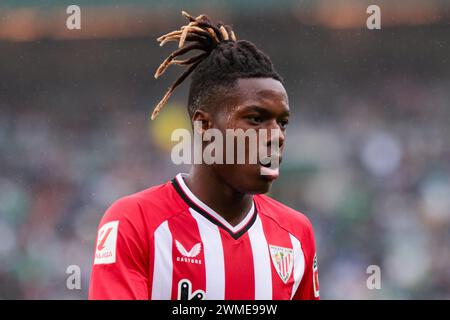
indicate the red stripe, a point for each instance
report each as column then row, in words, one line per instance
column 185, row 230
column 282, row 267
column 239, row 274
column 289, row 261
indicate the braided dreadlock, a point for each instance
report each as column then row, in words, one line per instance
column 222, row 61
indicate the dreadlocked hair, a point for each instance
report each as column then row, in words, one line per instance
column 221, row 61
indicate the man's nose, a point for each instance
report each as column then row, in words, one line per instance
column 275, row 133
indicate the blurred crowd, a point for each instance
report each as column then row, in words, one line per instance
column 368, row 154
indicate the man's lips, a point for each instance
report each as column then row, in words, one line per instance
column 270, row 168
column 267, row 162
column 269, row 173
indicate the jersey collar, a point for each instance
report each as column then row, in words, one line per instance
column 195, row 203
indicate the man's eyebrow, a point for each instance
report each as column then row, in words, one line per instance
column 263, row 110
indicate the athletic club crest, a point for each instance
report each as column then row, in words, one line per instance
column 283, row 260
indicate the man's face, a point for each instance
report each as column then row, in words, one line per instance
column 258, row 104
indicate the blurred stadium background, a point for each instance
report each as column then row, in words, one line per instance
column 368, row 152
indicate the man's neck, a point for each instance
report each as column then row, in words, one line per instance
column 214, row 192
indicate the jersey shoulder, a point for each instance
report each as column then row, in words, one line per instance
column 290, row 219
column 151, row 206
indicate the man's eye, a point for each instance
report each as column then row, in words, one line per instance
column 255, row 119
column 284, row 123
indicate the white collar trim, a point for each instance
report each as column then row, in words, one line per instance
column 213, row 213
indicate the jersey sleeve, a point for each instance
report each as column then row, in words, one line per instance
column 309, row 285
column 120, row 270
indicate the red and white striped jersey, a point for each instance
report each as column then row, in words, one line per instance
column 164, row 243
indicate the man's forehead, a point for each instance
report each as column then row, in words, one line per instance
column 253, row 92
column 263, row 86
column 260, row 89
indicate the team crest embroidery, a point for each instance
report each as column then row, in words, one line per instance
column 283, row 260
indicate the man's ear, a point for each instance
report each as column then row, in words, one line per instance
column 203, row 120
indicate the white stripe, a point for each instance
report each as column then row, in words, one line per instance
column 213, row 213
column 214, row 260
column 162, row 270
column 261, row 262
column 299, row 263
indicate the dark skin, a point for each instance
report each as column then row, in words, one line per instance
column 254, row 103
